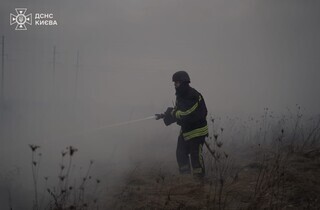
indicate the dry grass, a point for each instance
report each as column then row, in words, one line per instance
column 296, row 187
column 279, row 169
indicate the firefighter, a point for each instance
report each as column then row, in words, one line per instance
column 190, row 113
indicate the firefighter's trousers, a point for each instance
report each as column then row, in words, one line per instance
column 192, row 147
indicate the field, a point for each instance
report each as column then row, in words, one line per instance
column 266, row 163
column 287, row 183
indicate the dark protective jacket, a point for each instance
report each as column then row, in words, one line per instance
column 190, row 113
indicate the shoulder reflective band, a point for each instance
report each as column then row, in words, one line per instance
column 196, row 133
column 179, row 113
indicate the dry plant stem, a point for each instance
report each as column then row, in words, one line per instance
column 259, row 178
column 82, row 185
column 265, row 126
column 220, row 192
column 68, row 172
column 60, row 194
column 43, row 194
column 209, row 195
column 314, row 131
column 35, row 179
column 211, row 151
column 61, row 171
column 270, row 181
column 64, row 184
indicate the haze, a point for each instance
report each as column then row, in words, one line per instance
column 114, row 61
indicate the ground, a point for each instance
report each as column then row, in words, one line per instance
column 283, row 181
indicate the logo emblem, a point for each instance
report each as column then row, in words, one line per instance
column 21, row 19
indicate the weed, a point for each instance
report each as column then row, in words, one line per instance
column 60, row 195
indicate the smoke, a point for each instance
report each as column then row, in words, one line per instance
column 111, row 61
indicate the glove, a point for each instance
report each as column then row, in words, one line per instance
column 159, row 116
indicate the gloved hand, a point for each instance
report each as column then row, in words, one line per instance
column 159, row 116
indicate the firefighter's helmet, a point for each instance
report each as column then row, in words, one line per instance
column 180, row 76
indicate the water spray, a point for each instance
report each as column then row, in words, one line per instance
column 116, row 125
column 124, row 123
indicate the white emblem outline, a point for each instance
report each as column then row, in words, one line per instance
column 21, row 19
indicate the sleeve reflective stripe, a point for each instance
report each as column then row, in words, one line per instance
column 196, row 133
column 172, row 112
column 174, row 109
column 179, row 113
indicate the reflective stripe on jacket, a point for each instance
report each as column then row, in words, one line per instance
column 195, row 133
column 190, row 113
